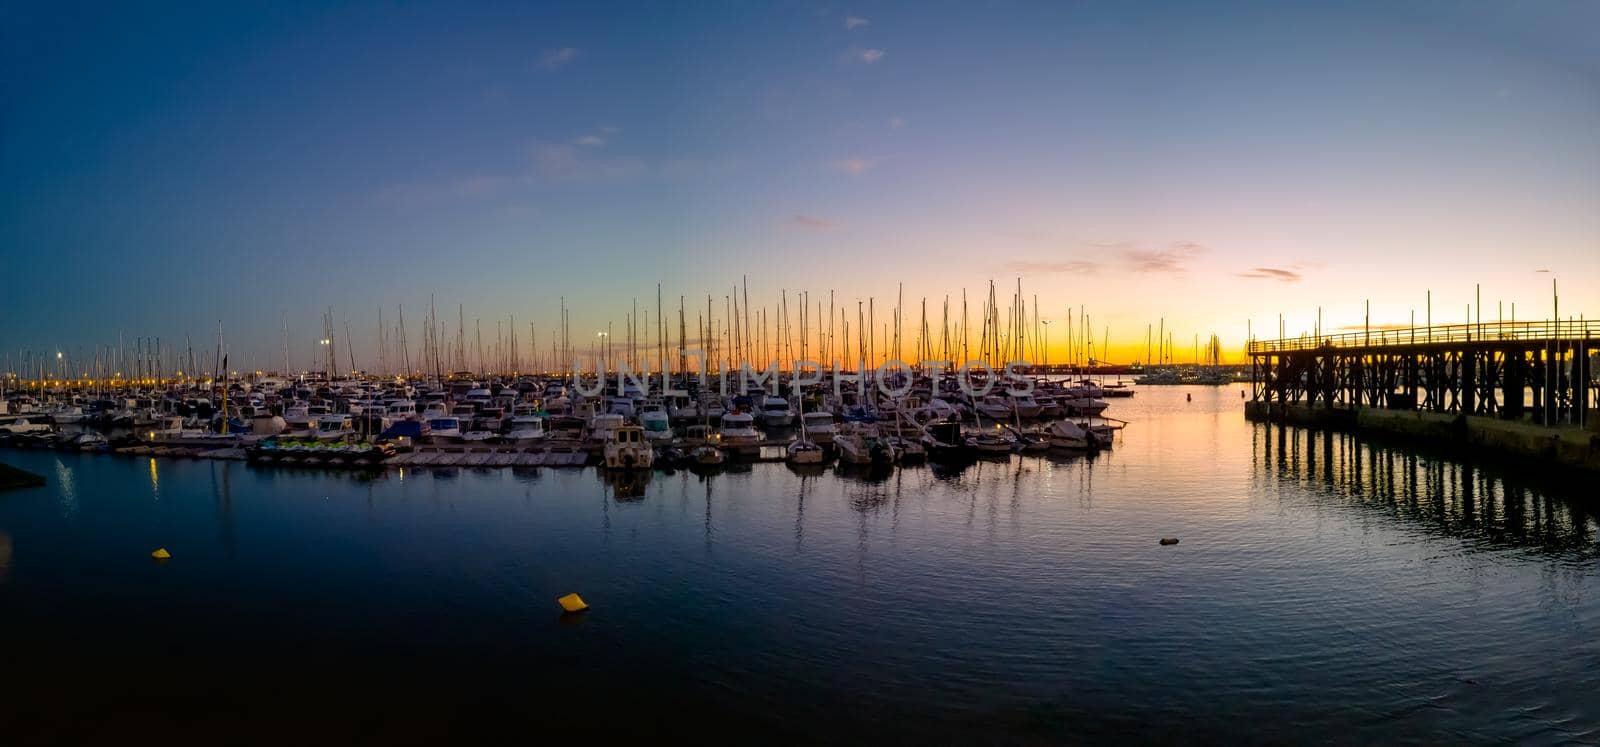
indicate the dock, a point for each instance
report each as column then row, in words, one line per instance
column 1525, row 389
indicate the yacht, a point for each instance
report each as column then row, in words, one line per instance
column 697, row 435
column 335, row 428
column 775, row 412
column 1023, row 405
column 1084, row 405
column 602, row 425
column 1065, row 434
column 526, row 429
column 656, row 421
column 818, row 427
column 626, row 448
column 859, row 443
column 994, row 407
column 738, row 429
column 995, row 441
column 444, row 430
column 64, row 414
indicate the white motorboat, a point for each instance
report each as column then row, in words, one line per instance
column 602, row 425
column 1065, row 434
column 818, row 427
column 1023, row 405
column 656, row 421
column 775, row 412
column 335, row 428
column 444, row 430
column 994, row 407
column 738, row 429
column 1084, row 405
column 626, row 448
column 526, row 429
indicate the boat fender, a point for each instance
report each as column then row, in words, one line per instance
column 572, row 603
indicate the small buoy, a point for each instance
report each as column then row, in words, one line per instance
column 572, row 603
column 1169, row 540
column 1188, row 397
column 161, row 554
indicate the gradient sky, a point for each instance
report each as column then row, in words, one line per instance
column 1209, row 163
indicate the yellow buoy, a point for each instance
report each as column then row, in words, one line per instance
column 161, row 554
column 572, row 603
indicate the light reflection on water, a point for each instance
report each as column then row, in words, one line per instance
column 1325, row 589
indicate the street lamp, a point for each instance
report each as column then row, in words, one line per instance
column 1047, row 345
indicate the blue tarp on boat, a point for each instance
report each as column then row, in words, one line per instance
column 406, row 428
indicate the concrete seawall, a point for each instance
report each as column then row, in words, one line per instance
column 1569, row 447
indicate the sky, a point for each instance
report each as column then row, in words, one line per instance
column 1204, row 166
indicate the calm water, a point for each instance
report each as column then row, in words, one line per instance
column 1325, row 591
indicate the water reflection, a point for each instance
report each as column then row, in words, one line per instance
column 222, row 493
column 626, row 485
column 1492, row 507
column 69, row 493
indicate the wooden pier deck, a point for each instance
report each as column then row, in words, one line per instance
column 1523, row 388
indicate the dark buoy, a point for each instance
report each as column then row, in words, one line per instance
column 1169, row 540
column 1188, row 397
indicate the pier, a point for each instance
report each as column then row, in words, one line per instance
column 1524, row 388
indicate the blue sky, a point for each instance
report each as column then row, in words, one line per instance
column 170, row 166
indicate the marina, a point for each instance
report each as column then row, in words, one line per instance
column 1048, row 373
column 807, row 602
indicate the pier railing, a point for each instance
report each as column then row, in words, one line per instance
column 1539, row 331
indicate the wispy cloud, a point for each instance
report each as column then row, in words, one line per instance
column 1064, row 267
column 863, row 56
column 1273, row 273
column 812, row 223
column 852, row 23
column 896, row 123
column 568, row 163
column 598, row 138
column 553, row 59
column 855, row 166
column 1173, row 259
